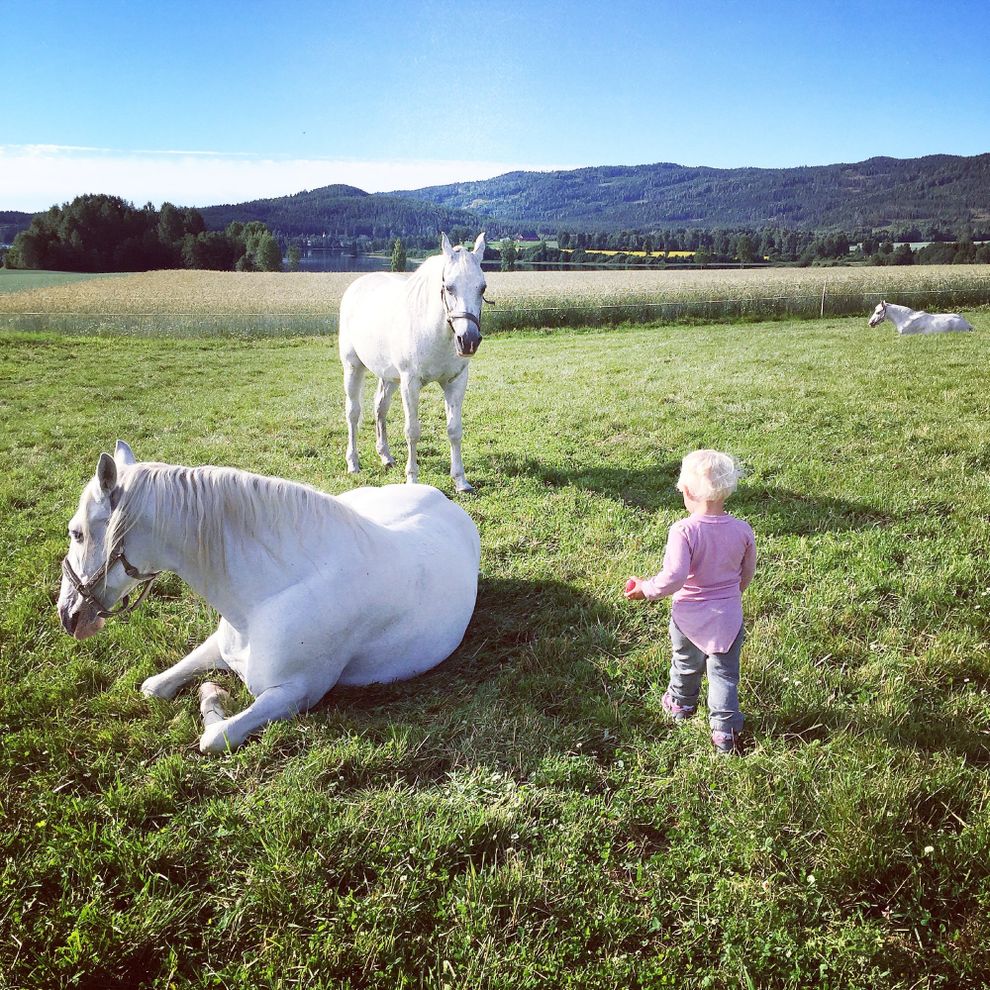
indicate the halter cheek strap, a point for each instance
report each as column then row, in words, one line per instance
column 86, row 589
column 457, row 316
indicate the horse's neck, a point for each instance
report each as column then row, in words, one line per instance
column 898, row 315
column 424, row 289
column 233, row 567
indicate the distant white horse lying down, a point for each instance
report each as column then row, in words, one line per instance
column 371, row 586
column 917, row 320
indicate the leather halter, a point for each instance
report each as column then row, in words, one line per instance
column 85, row 589
column 456, row 316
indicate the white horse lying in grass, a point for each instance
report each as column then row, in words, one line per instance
column 917, row 320
column 371, row 586
column 410, row 330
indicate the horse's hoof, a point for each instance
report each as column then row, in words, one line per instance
column 388, row 462
column 213, row 700
column 464, row 486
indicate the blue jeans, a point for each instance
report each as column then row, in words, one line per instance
column 688, row 663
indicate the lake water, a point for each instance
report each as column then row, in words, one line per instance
column 315, row 260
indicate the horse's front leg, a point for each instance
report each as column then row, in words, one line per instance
column 206, row 656
column 453, row 396
column 221, row 734
column 353, row 383
column 409, row 388
column 383, row 398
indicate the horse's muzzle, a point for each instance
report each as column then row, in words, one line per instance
column 467, row 343
column 78, row 620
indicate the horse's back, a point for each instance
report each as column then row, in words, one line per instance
column 413, row 507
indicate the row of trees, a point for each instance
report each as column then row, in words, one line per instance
column 770, row 244
column 100, row 233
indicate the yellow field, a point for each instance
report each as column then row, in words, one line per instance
column 308, row 302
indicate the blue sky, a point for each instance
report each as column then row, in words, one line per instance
column 214, row 101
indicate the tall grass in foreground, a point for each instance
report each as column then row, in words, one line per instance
column 524, row 816
column 203, row 304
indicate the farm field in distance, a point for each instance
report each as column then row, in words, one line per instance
column 198, row 303
column 524, row 815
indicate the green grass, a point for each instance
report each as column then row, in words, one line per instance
column 16, row 280
column 524, row 816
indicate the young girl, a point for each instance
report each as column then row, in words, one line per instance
column 709, row 561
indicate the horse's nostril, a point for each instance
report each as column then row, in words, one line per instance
column 70, row 621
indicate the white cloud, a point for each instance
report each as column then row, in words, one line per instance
column 34, row 177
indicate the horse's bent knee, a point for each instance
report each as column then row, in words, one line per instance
column 215, row 740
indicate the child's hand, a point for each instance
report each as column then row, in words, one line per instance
column 633, row 591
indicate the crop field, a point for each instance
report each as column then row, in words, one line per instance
column 28, row 281
column 523, row 816
column 195, row 303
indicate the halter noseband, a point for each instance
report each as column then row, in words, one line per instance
column 457, row 316
column 85, row 589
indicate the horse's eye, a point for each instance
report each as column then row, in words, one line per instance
column 449, row 288
column 484, row 289
column 76, row 535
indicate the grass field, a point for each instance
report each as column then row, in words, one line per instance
column 524, row 815
column 196, row 303
column 31, row 281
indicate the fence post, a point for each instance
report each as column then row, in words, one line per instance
column 821, row 315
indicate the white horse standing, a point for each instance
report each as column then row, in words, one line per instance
column 375, row 585
column 410, row 330
column 917, row 320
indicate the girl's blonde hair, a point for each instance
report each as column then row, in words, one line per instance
column 709, row 474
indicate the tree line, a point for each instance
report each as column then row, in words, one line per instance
column 100, row 233
column 770, row 245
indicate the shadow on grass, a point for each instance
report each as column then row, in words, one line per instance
column 771, row 509
column 524, row 683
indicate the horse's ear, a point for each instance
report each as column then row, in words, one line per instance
column 447, row 249
column 479, row 247
column 106, row 474
column 123, row 454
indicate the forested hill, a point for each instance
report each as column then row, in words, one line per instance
column 12, row 222
column 944, row 190
column 343, row 211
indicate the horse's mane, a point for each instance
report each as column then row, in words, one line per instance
column 220, row 504
column 422, row 286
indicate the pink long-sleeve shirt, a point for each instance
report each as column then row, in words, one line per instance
column 707, row 565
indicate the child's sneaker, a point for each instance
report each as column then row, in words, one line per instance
column 677, row 712
column 728, row 743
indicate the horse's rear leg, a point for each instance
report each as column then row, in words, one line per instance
column 383, row 398
column 453, row 395
column 353, row 384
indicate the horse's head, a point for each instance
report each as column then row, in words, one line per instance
column 462, row 291
column 879, row 314
column 95, row 575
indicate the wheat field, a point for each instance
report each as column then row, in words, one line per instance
column 190, row 303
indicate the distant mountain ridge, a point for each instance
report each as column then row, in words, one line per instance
column 945, row 192
column 878, row 192
column 343, row 211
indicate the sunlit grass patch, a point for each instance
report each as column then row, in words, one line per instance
column 524, row 815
